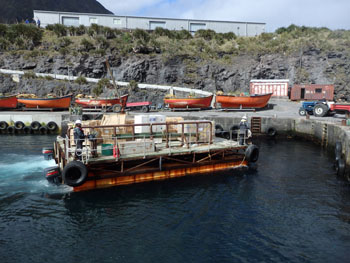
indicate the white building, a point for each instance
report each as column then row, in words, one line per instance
column 148, row 23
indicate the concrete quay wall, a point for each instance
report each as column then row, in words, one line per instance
column 326, row 133
column 29, row 118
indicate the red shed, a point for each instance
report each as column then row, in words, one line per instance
column 279, row 87
column 312, row 92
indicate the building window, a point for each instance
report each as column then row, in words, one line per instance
column 93, row 20
column 154, row 24
column 318, row 90
column 70, row 21
column 197, row 26
column 117, row 22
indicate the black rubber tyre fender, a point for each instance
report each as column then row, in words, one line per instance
column 234, row 130
column 218, row 129
column 302, row 112
column 75, row 173
column 52, row 126
column 35, row 125
column 340, row 167
column 252, row 153
column 19, row 125
column 226, row 135
column 117, row 108
column 43, row 130
column 3, row 125
column 145, row 109
column 27, row 129
column 338, row 150
column 271, row 131
column 11, row 129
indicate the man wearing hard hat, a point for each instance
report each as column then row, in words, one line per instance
column 79, row 137
column 243, row 130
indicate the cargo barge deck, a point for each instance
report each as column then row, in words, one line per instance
column 144, row 152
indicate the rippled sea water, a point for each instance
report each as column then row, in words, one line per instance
column 292, row 209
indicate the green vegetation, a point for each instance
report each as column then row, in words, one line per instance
column 103, row 83
column 86, row 45
column 204, row 45
column 64, row 42
column 81, row 80
column 98, row 89
column 58, row 29
column 133, row 86
column 19, row 37
column 29, row 75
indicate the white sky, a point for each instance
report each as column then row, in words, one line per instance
column 334, row 14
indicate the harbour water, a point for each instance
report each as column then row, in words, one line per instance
column 292, row 208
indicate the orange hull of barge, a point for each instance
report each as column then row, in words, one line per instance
column 184, row 103
column 256, row 101
column 159, row 175
column 55, row 103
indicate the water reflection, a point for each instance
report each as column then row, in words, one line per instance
column 291, row 208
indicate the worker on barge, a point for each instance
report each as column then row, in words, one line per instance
column 79, row 137
column 243, row 130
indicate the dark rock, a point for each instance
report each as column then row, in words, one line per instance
column 334, row 55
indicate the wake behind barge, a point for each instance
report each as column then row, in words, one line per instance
column 135, row 153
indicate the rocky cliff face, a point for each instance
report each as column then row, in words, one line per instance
column 309, row 67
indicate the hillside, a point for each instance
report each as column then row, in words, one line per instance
column 19, row 10
column 207, row 60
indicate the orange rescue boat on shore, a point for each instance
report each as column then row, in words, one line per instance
column 184, row 103
column 252, row 101
column 53, row 103
column 91, row 103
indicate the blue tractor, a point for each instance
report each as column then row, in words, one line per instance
column 310, row 108
column 307, row 107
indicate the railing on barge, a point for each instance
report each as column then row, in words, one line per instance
column 186, row 135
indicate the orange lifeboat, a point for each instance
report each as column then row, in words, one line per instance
column 252, row 101
column 54, row 103
column 184, row 103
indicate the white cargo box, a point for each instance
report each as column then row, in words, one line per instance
column 136, row 147
column 141, row 119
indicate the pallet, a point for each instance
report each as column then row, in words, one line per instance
column 255, row 125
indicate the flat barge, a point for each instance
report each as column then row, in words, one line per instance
column 124, row 154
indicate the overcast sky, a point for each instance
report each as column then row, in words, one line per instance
column 334, row 14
